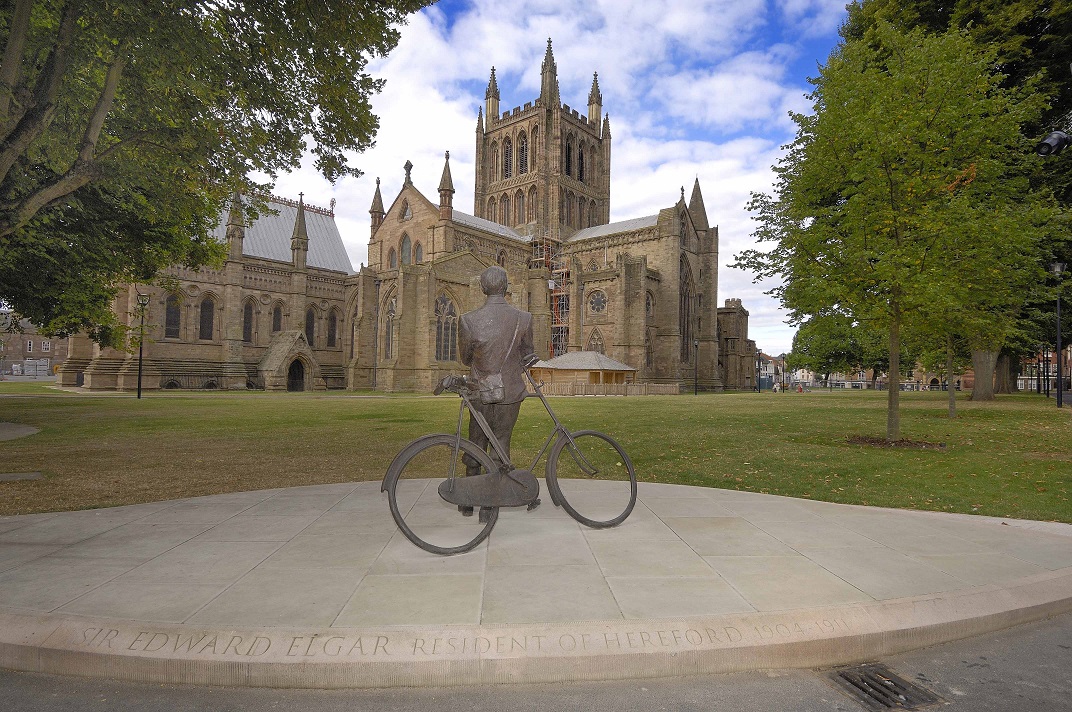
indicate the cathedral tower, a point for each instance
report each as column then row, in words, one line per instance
column 543, row 167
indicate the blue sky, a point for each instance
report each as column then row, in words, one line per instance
column 694, row 88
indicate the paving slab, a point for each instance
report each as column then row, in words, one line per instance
column 316, row 587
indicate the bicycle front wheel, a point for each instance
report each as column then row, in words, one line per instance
column 423, row 516
column 576, row 472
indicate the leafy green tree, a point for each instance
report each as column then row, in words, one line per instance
column 1032, row 44
column 126, row 125
column 913, row 142
column 830, row 342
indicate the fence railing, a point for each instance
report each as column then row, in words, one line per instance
column 611, row 389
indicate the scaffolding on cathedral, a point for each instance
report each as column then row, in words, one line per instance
column 546, row 254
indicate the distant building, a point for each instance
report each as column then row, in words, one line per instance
column 26, row 352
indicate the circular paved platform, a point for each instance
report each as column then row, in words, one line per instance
column 314, row 587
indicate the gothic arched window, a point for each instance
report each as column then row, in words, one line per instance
column 277, row 318
column 532, row 204
column 595, row 342
column 247, row 323
column 500, row 259
column 310, row 326
column 406, row 250
column 519, row 207
column 491, row 210
column 418, row 253
column 504, row 209
column 685, row 316
column 683, row 234
column 333, row 328
column 389, row 329
column 446, row 330
column 208, row 316
column 522, row 153
column 172, row 316
column 569, row 208
column 569, row 158
column 508, row 159
column 592, row 218
column 580, row 163
column 392, row 259
column 582, row 210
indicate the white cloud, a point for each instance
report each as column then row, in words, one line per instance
column 694, row 89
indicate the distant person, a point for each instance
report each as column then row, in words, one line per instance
column 495, row 340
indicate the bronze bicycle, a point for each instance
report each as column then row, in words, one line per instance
column 574, row 459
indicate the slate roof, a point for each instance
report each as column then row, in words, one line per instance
column 616, row 227
column 488, row 226
column 584, row 361
column 269, row 237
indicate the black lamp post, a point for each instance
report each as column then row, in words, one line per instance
column 1058, row 269
column 143, row 301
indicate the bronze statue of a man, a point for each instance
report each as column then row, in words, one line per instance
column 494, row 341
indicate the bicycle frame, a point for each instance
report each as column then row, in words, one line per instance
column 506, row 465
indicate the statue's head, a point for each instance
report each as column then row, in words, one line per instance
column 493, row 281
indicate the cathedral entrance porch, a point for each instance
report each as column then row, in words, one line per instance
column 296, row 376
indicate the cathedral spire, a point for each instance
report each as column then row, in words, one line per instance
column 549, row 78
column 696, row 207
column 595, row 101
column 491, row 98
column 376, row 211
column 446, row 190
column 606, row 127
column 480, row 122
column 299, row 240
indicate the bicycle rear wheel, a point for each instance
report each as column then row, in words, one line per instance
column 572, row 469
column 421, row 514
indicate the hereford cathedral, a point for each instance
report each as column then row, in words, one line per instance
column 287, row 311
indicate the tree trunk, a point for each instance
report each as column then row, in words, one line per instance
column 949, row 376
column 893, row 397
column 1006, row 375
column 984, row 362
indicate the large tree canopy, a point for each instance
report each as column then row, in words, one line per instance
column 913, row 152
column 126, row 125
column 1032, row 43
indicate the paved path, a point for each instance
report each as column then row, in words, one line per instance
column 314, row 586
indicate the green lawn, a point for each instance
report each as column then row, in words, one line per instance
column 1010, row 458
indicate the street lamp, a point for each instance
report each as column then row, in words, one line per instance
column 143, row 301
column 1053, row 144
column 1058, row 269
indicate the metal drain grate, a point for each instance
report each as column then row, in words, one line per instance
column 877, row 687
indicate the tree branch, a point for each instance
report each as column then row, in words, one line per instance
column 101, row 110
column 12, row 61
column 43, row 105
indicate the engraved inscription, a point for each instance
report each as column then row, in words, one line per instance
column 327, row 645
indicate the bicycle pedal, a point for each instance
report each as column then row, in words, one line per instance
column 534, row 504
column 485, row 514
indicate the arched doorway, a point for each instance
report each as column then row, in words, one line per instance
column 296, row 376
